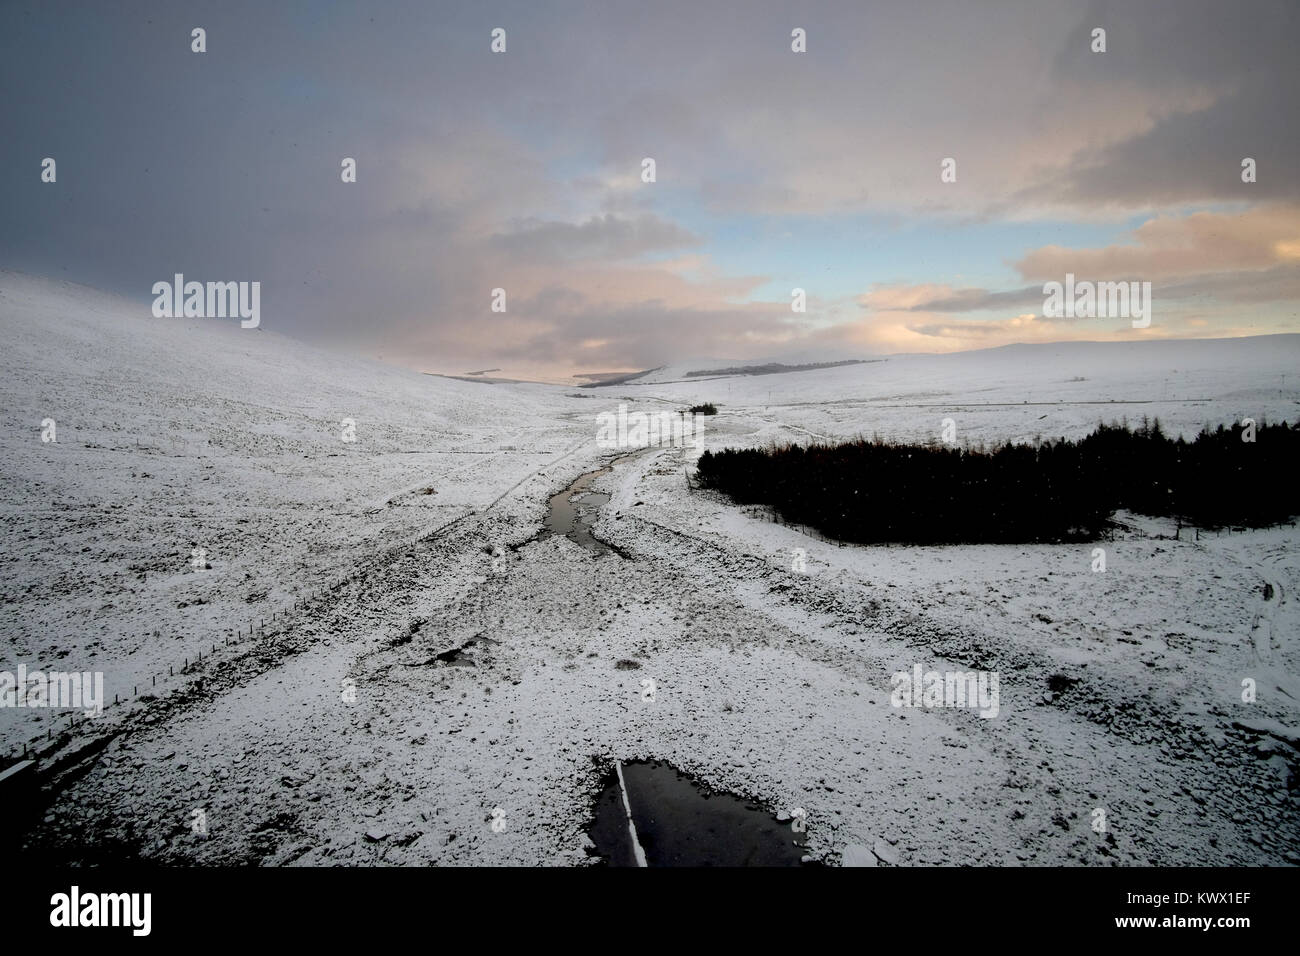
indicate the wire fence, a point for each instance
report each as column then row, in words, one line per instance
column 65, row 725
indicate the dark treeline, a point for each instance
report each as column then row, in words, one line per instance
column 874, row 491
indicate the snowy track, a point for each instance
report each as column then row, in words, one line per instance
column 486, row 666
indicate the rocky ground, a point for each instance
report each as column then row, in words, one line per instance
column 516, row 683
column 426, row 668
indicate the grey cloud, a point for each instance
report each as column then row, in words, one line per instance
column 604, row 237
column 1242, row 54
column 225, row 165
column 1278, row 284
column 977, row 300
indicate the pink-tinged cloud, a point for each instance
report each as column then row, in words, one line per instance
column 1204, row 243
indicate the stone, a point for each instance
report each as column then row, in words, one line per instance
column 855, row 854
column 886, row 852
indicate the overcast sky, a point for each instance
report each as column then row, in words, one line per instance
column 775, row 170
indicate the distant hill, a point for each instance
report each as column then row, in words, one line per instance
column 774, row 368
column 613, row 378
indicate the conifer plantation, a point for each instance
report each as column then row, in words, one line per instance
column 876, row 491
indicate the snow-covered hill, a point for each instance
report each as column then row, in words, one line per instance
column 179, row 434
column 1015, row 392
column 495, row 665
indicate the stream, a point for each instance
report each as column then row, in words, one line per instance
column 573, row 511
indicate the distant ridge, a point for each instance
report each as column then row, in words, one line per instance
column 481, row 379
column 774, row 368
column 614, row 378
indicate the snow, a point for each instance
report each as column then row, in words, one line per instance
column 770, row 682
column 173, row 434
column 1014, row 392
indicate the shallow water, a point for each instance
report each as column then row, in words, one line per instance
column 574, row 510
column 679, row 823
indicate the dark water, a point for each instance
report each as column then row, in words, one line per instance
column 574, row 510
column 679, row 823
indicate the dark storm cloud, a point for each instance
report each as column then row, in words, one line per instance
column 520, row 171
column 1241, row 56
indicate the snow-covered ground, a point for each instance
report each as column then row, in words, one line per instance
column 1016, row 393
column 346, row 731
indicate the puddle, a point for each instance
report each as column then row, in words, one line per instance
column 574, row 510
column 457, row 656
column 680, row 823
column 464, row 656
